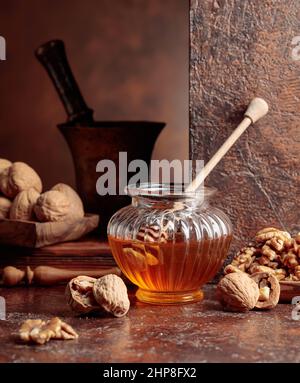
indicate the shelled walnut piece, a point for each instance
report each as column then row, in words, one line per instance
column 273, row 251
column 40, row 332
column 108, row 293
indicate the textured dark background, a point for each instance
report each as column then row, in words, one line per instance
column 241, row 49
column 130, row 58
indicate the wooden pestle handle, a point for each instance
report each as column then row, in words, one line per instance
column 12, row 276
column 53, row 57
column 47, row 276
column 256, row 110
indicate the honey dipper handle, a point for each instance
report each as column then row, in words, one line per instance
column 256, row 110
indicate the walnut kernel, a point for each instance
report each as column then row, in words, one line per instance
column 40, row 332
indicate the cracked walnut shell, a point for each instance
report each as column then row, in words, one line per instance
column 23, row 205
column 79, row 294
column 111, row 293
column 237, row 292
column 269, row 290
column 40, row 332
column 18, row 177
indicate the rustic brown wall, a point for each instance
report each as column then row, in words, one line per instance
column 241, row 49
column 130, row 58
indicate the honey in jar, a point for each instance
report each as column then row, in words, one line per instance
column 169, row 242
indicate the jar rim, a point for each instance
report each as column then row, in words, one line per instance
column 169, row 191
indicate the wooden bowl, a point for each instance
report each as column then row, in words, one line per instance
column 289, row 290
column 36, row 234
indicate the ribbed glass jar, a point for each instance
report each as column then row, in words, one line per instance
column 169, row 242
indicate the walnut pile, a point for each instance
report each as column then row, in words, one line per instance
column 108, row 293
column 273, row 251
column 21, row 198
column 40, row 332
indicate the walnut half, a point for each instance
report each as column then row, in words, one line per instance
column 79, row 294
column 40, row 332
column 269, row 290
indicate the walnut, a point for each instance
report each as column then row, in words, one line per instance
column 277, row 238
column 40, row 332
column 111, row 293
column 5, row 205
column 52, row 206
column 280, row 274
column 79, row 294
column 73, row 197
column 23, row 204
column 4, row 164
column 18, row 177
column 297, row 272
column 237, row 292
column 269, row 290
column 244, row 258
column 135, row 258
column 289, row 260
column 269, row 253
column 256, row 268
column 274, row 251
column 139, row 258
column 232, row 269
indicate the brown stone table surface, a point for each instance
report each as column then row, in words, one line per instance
column 199, row 332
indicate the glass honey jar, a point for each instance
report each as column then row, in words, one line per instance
column 169, row 242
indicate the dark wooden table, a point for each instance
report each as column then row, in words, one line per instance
column 198, row 332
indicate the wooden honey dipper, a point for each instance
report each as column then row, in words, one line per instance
column 47, row 276
column 257, row 109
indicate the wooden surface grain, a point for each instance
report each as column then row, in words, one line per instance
column 88, row 252
column 242, row 49
column 198, row 332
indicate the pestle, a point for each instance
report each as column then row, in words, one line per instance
column 48, row 276
column 257, row 109
column 52, row 56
